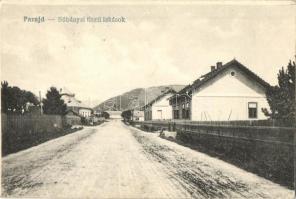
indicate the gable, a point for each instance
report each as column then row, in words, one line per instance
column 163, row 101
column 226, row 84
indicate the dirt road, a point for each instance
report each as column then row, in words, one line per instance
column 117, row 161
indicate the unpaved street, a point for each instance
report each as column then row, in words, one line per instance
column 118, row 161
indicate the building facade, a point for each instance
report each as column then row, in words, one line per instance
column 113, row 114
column 181, row 104
column 85, row 112
column 75, row 105
column 137, row 115
column 227, row 92
column 159, row 108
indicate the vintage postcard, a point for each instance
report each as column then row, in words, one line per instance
column 148, row 99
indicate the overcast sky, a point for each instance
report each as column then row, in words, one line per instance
column 158, row 45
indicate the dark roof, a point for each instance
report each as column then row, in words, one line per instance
column 159, row 97
column 211, row 75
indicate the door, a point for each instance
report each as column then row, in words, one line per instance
column 159, row 114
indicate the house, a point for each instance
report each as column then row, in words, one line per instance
column 85, row 111
column 159, row 108
column 112, row 114
column 228, row 92
column 74, row 104
column 133, row 114
column 181, row 104
column 137, row 115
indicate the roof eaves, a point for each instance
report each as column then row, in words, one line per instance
column 233, row 62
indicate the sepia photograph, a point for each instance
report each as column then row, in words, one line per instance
column 149, row 99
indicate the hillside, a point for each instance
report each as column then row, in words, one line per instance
column 134, row 98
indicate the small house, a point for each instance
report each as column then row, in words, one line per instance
column 137, row 115
column 159, row 108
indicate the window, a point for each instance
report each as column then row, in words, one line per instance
column 176, row 114
column 159, row 114
column 232, row 73
column 252, row 108
column 183, row 114
column 187, row 105
column 187, row 114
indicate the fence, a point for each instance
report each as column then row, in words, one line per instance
column 22, row 131
column 265, row 123
column 33, row 123
column 72, row 120
column 265, row 149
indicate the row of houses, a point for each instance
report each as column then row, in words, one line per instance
column 227, row 92
column 75, row 105
column 77, row 111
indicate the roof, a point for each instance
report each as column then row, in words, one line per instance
column 160, row 97
column 70, row 100
column 74, row 113
column 211, row 75
column 66, row 91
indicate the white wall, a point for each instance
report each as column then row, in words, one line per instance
column 226, row 98
column 85, row 112
column 163, row 106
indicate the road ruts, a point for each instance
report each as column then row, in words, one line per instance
column 117, row 161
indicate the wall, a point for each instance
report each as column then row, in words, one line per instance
column 164, row 106
column 226, row 98
column 225, row 108
column 72, row 120
column 84, row 112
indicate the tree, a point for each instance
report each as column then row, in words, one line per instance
column 281, row 98
column 53, row 104
column 106, row 115
column 14, row 99
column 5, row 97
column 126, row 114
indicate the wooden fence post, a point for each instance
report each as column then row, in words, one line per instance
column 295, row 142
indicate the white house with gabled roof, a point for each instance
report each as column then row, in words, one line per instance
column 75, row 105
column 228, row 92
column 159, row 108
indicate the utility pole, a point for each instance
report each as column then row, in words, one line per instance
column 41, row 109
column 145, row 97
column 120, row 102
column 177, row 113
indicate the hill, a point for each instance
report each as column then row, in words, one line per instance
column 134, row 98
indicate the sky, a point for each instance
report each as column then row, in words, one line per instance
column 159, row 44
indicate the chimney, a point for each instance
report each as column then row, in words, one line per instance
column 219, row 64
column 213, row 68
